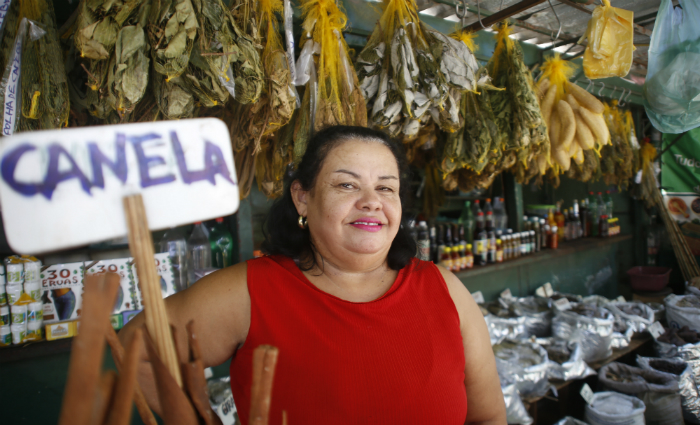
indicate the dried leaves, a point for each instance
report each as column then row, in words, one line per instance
column 408, row 69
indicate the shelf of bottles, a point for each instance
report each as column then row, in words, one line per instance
column 480, row 236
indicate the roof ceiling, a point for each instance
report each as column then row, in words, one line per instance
column 538, row 25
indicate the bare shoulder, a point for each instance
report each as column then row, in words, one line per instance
column 458, row 292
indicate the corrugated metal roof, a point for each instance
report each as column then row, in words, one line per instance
column 538, row 25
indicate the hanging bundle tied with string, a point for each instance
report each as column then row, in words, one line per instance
column 516, row 109
column 332, row 95
column 410, row 73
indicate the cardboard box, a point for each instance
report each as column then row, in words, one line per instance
column 117, row 321
column 128, row 315
column 61, row 330
column 62, row 296
column 127, row 299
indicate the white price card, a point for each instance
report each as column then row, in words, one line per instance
column 506, row 294
column 544, row 291
column 656, row 330
column 478, row 297
column 587, row 393
column 562, row 304
column 70, row 183
column 620, row 299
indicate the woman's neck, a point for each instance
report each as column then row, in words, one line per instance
column 355, row 282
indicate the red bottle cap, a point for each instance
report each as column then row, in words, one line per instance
column 220, row 220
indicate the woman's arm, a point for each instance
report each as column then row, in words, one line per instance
column 219, row 304
column 484, row 397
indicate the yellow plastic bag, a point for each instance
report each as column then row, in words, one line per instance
column 610, row 37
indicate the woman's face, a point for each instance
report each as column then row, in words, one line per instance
column 354, row 207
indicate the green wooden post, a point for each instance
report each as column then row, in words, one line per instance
column 514, row 202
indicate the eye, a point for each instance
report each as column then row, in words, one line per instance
column 347, row 185
column 385, row 189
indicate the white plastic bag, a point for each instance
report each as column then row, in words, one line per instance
column 672, row 87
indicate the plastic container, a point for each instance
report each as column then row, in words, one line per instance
column 649, row 279
column 4, row 315
column 19, row 332
column 19, row 314
column 5, row 335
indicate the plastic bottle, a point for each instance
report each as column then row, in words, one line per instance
column 487, row 206
column 478, row 221
column 500, row 217
column 554, row 239
column 608, row 204
column 593, row 211
column 603, row 230
column 174, row 242
column 480, row 241
column 602, row 208
column 423, row 241
column 488, row 221
column 221, row 245
column 476, row 208
column 491, row 258
column 199, row 252
column 467, row 219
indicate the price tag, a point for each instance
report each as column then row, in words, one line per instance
column 656, row 330
column 562, row 304
column 545, row 291
column 587, row 393
column 620, row 299
column 506, row 294
column 478, row 297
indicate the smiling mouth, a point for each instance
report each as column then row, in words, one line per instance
column 364, row 223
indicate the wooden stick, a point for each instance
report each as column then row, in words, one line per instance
column 87, row 351
column 264, row 364
column 139, row 399
column 120, row 412
column 196, row 384
column 102, row 401
column 141, row 246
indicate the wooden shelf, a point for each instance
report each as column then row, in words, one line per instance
column 35, row 349
column 565, row 248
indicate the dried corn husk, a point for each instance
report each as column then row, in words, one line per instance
column 274, row 109
column 408, row 69
column 45, row 95
column 171, row 33
column 332, row 95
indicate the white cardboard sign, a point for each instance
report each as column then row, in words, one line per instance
column 64, row 188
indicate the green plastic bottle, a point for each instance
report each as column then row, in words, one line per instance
column 467, row 219
column 221, row 245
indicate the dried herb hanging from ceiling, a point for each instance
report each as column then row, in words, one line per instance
column 274, row 109
column 617, row 159
column 332, row 95
column 171, row 33
column 408, row 70
column 44, row 86
column 517, row 109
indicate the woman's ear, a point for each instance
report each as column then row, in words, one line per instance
column 299, row 196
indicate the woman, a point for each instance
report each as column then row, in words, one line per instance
column 367, row 334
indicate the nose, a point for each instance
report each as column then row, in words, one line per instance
column 369, row 201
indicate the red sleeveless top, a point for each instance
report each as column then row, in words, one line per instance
column 396, row 360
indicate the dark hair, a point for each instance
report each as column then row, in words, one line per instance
column 282, row 233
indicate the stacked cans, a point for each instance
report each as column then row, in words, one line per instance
column 21, row 309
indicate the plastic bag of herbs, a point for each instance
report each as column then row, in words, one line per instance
column 253, row 122
column 31, row 42
column 408, row 70
column 332, row 95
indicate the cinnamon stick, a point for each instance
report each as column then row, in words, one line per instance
column 139, row 399
column 120, row 412
column 195, row 382
column 264, row 364
column 102, row 401
column 87, row 352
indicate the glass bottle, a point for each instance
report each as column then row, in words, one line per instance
column 199, row 253
column 469, row 257
column 499, row 250
column 174, row 242
column 221, row 245
column 467, row 219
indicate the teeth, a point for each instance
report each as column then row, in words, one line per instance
column 367, row 224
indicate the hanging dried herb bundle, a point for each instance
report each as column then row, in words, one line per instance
column 517, row 109
column 129, row 65
column 407, row 69
column 275, row 107
column 589, row 170
column 617, row 159
column 229, row 45
column 272, row 161
column 171, row 33
column 433, row 194
column 98, row 24
column 45, row 96
column 173, row 99
column 332, row 95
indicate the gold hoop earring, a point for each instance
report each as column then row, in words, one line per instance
column 303, row 222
